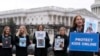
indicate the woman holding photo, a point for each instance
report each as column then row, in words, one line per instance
column 78, row 26
column 22, row 41
column 41, row 51
column 63, row 44
column 6, row 42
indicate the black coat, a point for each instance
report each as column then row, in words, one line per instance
column 79, row 53
column 99, row 40
column 98, row 53
column 21, row 51
column 6, row 51
column 66, row 43
column 41, row 51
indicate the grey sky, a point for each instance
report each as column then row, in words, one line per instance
column 26, row 4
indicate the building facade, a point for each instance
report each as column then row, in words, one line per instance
column 96, row 8
column 45, row 15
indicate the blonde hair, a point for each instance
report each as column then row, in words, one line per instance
column 5, row 28
column 25, row 31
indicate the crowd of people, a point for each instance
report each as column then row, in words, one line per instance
column 21, row 41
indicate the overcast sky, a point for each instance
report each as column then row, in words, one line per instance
column 26, row 4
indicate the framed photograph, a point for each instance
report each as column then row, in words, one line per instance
column 91, row 26
column 40, row 43
column 22, row 42
column 6, row 42
column 40, row 34
column 59, row 44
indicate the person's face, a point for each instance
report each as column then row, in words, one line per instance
column 7, row 31
column 62, row 31
column 79, row 21
column 90, row 25
column 21, row 29
column 40, row 28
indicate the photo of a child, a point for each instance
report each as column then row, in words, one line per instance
column 22, row 42
column 90, row 26
column 40, row 43
column 59, row 44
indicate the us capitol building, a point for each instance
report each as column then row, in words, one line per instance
column 96, row 8
column 50, row 16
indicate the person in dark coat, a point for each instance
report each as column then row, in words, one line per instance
column 78, row 26
column 61, row 43
column 99, row 45
column 22, row 41
column 98, row 53
column 38, row 50
column 6, row 41
column 0, row 46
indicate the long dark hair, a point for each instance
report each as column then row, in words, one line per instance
column 74, row 24
column 39, row 27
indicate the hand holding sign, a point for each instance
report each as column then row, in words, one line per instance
column 59, row 44
column 40, row 37
column 40, row 43
column 6, row 42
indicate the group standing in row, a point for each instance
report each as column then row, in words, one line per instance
column 21, row 41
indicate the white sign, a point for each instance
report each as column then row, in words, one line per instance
column 59, row 44
column 22, row 42
column 40, row 34
column 91, row 26
column 40, row 43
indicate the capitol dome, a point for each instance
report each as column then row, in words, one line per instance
column 96, row 8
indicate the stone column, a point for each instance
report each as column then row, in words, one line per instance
column 52, row 19
column 93, row 10
column 18, row 21
column 96, row 11
column 56, row 19
column 69, row 20
column 6, row 19
column 60, row 19
column 65, row 21
column 2, row 20
column 21, row 20
column 15, row 20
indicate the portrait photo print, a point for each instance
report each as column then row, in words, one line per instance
column 22, row 42
column 91, row 26
column 40, row 43
column 58, row 43
column 40, row 34
column 6, row 42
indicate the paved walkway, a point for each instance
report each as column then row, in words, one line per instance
column 28, row 55
column 33, row 55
